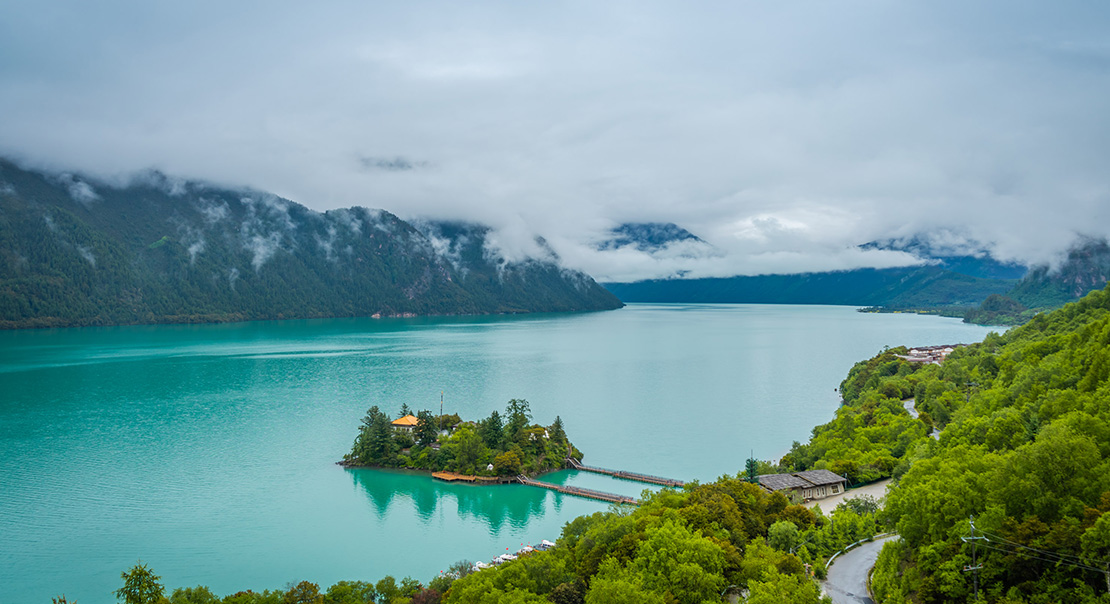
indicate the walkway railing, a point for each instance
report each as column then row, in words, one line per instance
column 648, row 478
column 579, row 491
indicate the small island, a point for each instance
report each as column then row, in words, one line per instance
column 495, row 449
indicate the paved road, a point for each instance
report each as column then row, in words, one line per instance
column 847, row 582
column 911, row 407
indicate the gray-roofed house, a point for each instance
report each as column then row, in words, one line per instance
column 791, row 486
column 804, row 486
column 825, row 483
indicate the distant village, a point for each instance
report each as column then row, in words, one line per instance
column 929, row 354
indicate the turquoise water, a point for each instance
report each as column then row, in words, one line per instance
column 208, row 451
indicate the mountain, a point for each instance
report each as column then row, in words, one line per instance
column 896, row 288
column 74, row 251
column 966, row 258
column 647, row 236
column 1085, row 268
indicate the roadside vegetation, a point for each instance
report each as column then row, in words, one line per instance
column 495, row 446
column 682, row 547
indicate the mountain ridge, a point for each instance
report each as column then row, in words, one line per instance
column 75, row 252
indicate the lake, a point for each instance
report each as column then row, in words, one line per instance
column 207, row 451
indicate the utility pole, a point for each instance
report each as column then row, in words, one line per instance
column 975, row 566
column 440, row 409
column 970, row 385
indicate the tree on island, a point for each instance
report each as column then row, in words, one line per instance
column 492, row 430
column 558, row 434
column 374, row 443
column 507, row 464
column 468, row 449
column 519, row 413
column 425, row 433
column 405, row 410
column 141, row 586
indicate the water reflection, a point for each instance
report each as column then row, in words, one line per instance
column 495, row 506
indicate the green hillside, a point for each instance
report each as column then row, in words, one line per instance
column 894, row 288
column 1025, row 449
column 1086, row 268
column 77, row 252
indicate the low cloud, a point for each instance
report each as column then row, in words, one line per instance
column 391, row 164
column 87, row 254
column 784, row 135
column 79, row 190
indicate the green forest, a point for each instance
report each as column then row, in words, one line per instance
column 1023, row 448
column 511, row 444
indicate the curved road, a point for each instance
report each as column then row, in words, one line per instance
column 847, row 580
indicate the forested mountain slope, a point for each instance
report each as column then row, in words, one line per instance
column 1086, row 268
column 911, row 287
column 77, row 252
column 1024, row 448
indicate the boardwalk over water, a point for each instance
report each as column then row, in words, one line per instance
column 589, row 493
column 659, row 480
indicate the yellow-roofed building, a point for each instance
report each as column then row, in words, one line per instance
column 405, row 424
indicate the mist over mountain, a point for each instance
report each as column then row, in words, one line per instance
column 1085, row 268
column 647, row 236
column 960, row 255
column 961, row 280
column 76, row 251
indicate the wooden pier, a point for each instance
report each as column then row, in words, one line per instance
column 569, row 490
column 659, row 480
column 454, row 477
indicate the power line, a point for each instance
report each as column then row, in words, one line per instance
column 1066, row 558
column 975, row 566
column 1075, row 564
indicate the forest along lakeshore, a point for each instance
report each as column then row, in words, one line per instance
column 244, row 423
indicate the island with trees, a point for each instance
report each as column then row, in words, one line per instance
column 498, row 446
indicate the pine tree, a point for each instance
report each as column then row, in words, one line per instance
column 492, row 430
column 558, row 434
column 519, row 414
column 425, row 428
column 379, row 444
column 753, row 470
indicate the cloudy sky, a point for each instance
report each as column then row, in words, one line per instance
column 782, row 133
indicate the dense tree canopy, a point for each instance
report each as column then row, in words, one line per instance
column 1025, row 450
column 469, row 448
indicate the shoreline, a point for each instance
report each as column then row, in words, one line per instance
column 452, row 477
